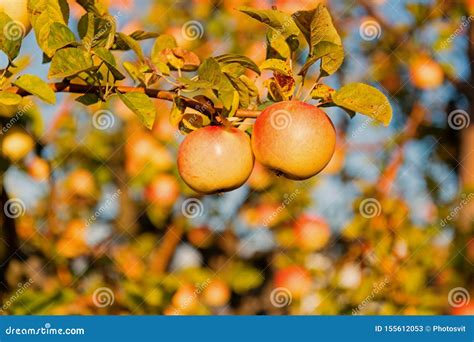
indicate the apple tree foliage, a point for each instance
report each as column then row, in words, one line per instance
column 383, row 257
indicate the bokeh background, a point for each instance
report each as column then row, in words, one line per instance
column 97, row 221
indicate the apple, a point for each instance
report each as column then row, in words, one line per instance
column 38, row 169
column 72, row 242
column 17, row 10
column 143, row 150
column 81, row 182
column 337, row 161
column 201, row 237
column 295, row 279
column 215, row 159
column 185, row 298
column 470, row 6
column 216, row 294
column 260, row 178
column 312, row 233
column 163, row 190
column 425, row 73
column 465, row 310
column 17, row 144
column 294, row 139
column 129, row 262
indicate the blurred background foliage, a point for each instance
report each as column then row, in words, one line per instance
column 95, row 237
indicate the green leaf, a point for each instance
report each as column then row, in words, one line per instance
column 277, row 46
column 11, row 36
column 88, row 99
column 210, row 71
column 55, row 37
column 276, row 65
column 143, row 35
column 239, row 59
column 126, row 42
column 195, row 84
column 282, row 22
column 317, row 26
column 9, row 99
column 364, row 99
column 44, row 13
column 69, row 62
column 141, row 105
column 323, row 39
column 89, row 36
column 108, row 58
column 36, row 86
column 133, row 72
column 332, row 57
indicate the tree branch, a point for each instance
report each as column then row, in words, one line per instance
column 63, row 87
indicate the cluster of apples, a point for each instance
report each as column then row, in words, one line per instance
column 292, row 138
column 187, row 299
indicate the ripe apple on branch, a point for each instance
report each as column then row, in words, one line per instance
column 216, row 102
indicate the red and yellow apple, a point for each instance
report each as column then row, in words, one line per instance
column 426, row 73
column 260, row 178
column 38, row 169
column 16, row 144
column 295, row 279
column 185, row 299
column 201, row 237
column 163, row 190
column 216, row 294
column 214, row 159
column 294, row 139
column 465, row 310
column 72, row 242
column 81, row 182
column 312, row 233
column 336, row 163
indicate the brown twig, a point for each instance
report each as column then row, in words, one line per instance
column 63, row 87
column 167, row 248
